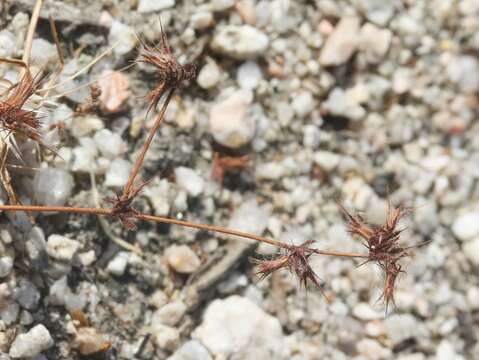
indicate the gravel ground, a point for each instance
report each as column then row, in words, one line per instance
column 362, row 101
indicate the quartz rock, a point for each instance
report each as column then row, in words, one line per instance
column 240, row 42
column 36, row 340
column 228, row 333
column 53, row 187
column 230, row 122
column 342, row 43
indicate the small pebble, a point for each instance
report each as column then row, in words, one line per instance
column 240, row 42
column 62, row 248
column 6, row 265
column 27, row 295
column 30, row 344
column 118, row 264
column 191, row 350
column 182, row 259
column 44, row 53
column 189, row 180
column 202, row 20
column 53, row 187
column 228, row 333
column 149, row 6
column 170, row 314
column 114, row 91
column 118, row 173
column 466, row 226
column 109, row 144
column 209, row 75
column 230, row 122
column 89, row 341
column 471, row 250
column 342, row 43
column 249, row 75
column 303, row 103
column 122, row 37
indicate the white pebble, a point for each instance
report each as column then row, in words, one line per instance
column 182, row 259
column 249, row 75
column 43, row 53
column 240, row 42
column 62, row 248
column 53, row 187
column 471, row 250
column 118, row 173
column 303, row 103
column 6, row 265
column 7, row 44
column 191, row 350
column 122, row 37
column 118, row 264
column 250, row 217
column 36, row 340
column 189, row 180
column 109, row 144
column 466, row 226
column 202, row 20
column 230, row 123
column 236, row 328
column 148, row 6
column 342, row 43
column 209, row 75
column 374, row 42
column 170, row 314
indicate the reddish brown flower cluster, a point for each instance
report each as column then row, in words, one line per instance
column 383, row 246
column 169, row 72
column 122, row 207
column 16, row 120
column 296, row 260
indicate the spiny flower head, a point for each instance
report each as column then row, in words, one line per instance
column 16, row 120
column 122, row 207
column 383, row 244
column 296, row 260
column 170, row 74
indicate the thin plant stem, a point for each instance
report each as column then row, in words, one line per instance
column 166, row 220
column 146, row 145
column 31, row 32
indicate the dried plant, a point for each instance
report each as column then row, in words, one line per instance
column 16, row 120
column 170, row 74
column 382, row 242
column 92, row 103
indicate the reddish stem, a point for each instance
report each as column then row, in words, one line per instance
column 166, row 220
column 139, row 161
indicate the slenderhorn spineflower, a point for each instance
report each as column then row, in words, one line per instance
column 170, row 74
column 15, row 120
column 123, row 209
column 296, row 259
column 383, row 244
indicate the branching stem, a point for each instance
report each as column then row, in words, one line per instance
column 166, row 220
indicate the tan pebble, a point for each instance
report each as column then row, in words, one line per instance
column 182, row 259
column 114, row 91
column 247, row 12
